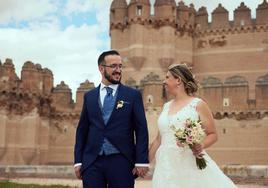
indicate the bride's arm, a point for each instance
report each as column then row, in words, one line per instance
column 154, row 146
column 208, row 124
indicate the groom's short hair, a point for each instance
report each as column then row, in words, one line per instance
column 101, row 59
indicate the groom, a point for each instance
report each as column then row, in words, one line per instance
column 111, row 146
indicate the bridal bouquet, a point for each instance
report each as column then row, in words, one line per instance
column 189, row 135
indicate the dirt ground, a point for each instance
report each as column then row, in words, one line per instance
column 76, row 183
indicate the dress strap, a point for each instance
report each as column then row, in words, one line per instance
column 166, row 105
column 194, row 102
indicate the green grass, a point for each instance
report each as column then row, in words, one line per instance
column 7, row 184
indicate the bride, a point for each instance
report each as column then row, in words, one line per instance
column 176, row 165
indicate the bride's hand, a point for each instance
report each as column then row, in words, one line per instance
column 197, row 149
column 179, row 144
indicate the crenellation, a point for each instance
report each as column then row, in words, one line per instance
column 220, row 18
column 177, row 16
column 139, row 10
column 201, row 18
column 183, row 14
column 242, row 15
column 192, row 14
column 165, row 11
column 262, row 13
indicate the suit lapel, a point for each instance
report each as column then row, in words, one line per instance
column 97, row 104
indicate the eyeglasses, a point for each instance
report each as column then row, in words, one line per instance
column 114, row 66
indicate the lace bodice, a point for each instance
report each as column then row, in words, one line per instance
column 178, row 119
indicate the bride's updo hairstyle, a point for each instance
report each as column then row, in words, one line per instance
column 183, row 72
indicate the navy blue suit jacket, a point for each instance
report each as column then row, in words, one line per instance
column 126, row 129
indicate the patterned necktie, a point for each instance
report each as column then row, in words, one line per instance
column 108, row 104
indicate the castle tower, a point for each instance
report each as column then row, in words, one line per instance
column 220, row 17
column 8, row 70
column 184, row 15
column 139, row 14
column 47, row 80
column 139, row 9
column 31, row 77
column 118, row 12
column 201, row 18
column 62, row 97
column 192, row 14
column 165, row 10
column 152, row 90
column 8, row 77
column 262, row 13
column 141, row 42
column 242, row 15
column 84, row 87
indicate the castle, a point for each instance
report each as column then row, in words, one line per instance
column 229, row 58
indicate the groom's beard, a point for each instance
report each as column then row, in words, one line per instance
column 110, row 79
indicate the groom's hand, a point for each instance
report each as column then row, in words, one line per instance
column 77, row 171
column 141, row 171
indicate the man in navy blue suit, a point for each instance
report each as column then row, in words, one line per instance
column 111, row 146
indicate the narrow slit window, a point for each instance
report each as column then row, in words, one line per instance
column 139, row 10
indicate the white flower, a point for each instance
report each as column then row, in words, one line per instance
column 120, row 104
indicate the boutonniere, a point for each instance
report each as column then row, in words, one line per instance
column 120, row 104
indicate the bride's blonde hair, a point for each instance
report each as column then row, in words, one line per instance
column 183, row 72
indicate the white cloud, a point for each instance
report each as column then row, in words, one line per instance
column 69, row 53
column 17, row 10
column 78, row 6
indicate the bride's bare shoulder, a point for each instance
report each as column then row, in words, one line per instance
column 202, row 105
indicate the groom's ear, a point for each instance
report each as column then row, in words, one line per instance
column 101, row 68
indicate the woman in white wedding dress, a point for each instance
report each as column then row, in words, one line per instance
column 175, row 165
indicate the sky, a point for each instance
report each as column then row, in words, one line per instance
column 67, row 36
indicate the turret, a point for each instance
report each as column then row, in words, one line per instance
column 242, row 15
column 182, row 14
column 220, row 17
column 201, row 18
column 47, row 80
column 62, row 97
column 84, row 87
column 165, row 10
column 151, row 86
column 192, row 13
column 139, row 9
column 31, row 78
column 8, row 77
column 262, row 13
column 118, row 12
column 9, row 69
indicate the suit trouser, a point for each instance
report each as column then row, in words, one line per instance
column 112, row 171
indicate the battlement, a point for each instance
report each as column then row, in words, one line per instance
column 182, row 16
column 38, row 82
